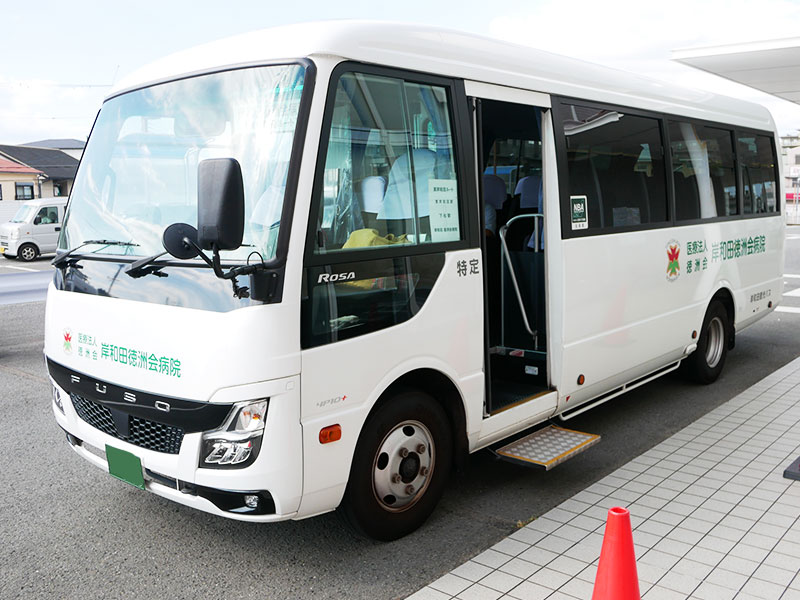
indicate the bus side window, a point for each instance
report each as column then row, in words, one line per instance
column 389, row 176
column 615, row 161
column 703, row 171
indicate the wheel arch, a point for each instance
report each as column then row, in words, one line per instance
column 725, row 297
column 446, row 393
column 27, row 242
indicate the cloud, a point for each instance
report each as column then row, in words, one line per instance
column 35, row 109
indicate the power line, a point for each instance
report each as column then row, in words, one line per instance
column 43, row 118
column 53, row 84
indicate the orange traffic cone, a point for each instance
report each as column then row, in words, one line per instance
column 616, row 574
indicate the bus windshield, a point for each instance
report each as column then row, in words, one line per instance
column 139, row 171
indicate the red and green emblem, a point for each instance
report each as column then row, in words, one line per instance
column 673, row 264
column 67, row 341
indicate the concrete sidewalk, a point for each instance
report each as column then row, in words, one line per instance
column 713, row 517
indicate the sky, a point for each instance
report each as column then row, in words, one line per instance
column 59, row 59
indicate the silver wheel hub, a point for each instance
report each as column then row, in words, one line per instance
column 716, row 340
column 28, row 253
column 403, row 466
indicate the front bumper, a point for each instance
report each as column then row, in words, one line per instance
column 8, row 246
column 173, row 473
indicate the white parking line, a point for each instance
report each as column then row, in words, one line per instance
column 788, row 309
column 20, row 268
column 793, row 294
column 791, row 276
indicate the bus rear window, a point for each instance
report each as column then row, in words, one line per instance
column 757, row 157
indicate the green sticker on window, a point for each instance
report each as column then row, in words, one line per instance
column 580, row 219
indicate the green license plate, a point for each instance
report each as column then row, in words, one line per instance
column 125, row 466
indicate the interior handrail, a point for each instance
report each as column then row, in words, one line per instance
column 507, row 255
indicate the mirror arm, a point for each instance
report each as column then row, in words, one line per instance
column 233, row 272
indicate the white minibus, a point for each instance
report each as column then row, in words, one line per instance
column 317, row 266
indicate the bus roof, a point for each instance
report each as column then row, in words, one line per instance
column 454, row 54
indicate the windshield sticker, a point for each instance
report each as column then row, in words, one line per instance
column 90, row 348
column 443, row 199
column 580, row 220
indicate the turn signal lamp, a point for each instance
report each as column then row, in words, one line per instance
column 331, row 433
column 251, row 417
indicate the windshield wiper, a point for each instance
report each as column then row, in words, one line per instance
column 140, row 267
column 61, row 260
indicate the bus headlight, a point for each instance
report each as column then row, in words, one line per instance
column 236, row 444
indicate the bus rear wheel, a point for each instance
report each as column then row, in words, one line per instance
column 400, row 467
column 705, row 364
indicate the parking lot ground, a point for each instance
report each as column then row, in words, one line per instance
column 14, row 265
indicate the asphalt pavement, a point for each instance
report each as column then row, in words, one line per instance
column 70, row 530
column 24, row 281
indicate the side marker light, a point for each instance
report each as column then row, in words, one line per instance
column 694, row 334
column 331, row 433
column 581, row 379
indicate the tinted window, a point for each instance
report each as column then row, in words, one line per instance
column 389, row 175
column 757, row 157
column 615, row 165
column 354, row 299
column 703, row 171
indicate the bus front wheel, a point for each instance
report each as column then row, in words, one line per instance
column 706, row 363
column 400, row 467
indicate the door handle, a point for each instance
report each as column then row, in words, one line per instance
column 58, row 228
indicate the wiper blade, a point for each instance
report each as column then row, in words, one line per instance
column 60, row 260
column 140, row 267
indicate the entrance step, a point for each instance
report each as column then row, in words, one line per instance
column 547, row 447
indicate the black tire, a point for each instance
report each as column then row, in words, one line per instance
column 389, row 493
column 705, row 364
column 27, row 252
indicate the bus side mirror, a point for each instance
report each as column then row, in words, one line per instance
column 220, row 204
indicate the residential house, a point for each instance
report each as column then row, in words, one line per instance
column 69, row 146
column 57, row 167
column 17, row 182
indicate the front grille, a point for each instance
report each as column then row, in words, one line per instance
column 141, row 432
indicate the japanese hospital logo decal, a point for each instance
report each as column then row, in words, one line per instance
column 673, row 264
column 67, row 341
